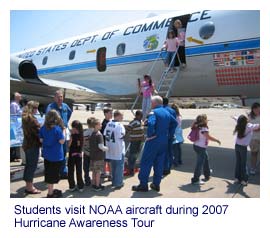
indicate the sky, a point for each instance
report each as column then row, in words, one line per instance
column 31, row 28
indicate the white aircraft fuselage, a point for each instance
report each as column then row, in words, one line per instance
column 222, row 55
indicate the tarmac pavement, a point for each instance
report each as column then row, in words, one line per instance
column 178, row 183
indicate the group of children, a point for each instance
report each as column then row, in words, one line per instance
column 104, row 143
column 86, row 151
column 246, row 134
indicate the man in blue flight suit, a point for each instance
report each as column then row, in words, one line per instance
column 169, row 157
column 161, row 127
column 65, row 113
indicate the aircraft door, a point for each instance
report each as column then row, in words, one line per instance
column 179, row 27
column 101, row 59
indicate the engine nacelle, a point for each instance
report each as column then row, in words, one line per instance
column 24, row 70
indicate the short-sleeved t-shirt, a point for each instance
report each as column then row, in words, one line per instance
column 203, row 141
column 52, row 149
column 86, row 135
column 114, row 134
column 146, row 89
column 95, row 139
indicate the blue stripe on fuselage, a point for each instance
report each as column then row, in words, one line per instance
column 144, row 57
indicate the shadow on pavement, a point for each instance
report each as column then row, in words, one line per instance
column 221, row 160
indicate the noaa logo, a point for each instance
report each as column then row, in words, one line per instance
column 150, row 43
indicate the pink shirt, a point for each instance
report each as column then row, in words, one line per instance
column 202, row 142
column 171, row 44
column 181, row 36
column 147, row 89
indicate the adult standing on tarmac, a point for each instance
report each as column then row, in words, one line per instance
column 169, row 155
column 15, row 110
column 31, row 145
column 65, row 113
column 161, row 127
column 180, row 32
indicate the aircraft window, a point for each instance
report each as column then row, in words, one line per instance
column 207, row 30
column 101, row 59
column 121, row 48
column 72, row 54
column 44, row 61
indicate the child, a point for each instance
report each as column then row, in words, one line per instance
column 108, row 117
column 52, row 138
column 136, row 135
column 75, row 156
column 114, row 133
column 200, row 147
column 254, row 118
column 147, row 88
column 171, row 45
column 86, row 151
column 97, row 148
column 243, row 131
column 177, row 151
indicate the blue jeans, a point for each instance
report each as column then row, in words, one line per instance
column 31, row 156
column 241, row 163
column 177, row 154
column 169, row 58
column 64, row 169
column 146, row 107
column 117, row 171
column 169, row 156
column 202, row 162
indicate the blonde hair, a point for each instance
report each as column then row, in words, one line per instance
column 90, row 122
column 52, row 119
column 201, row 120
column 30, row 106
column 95, row 122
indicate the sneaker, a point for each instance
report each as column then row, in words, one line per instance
column 57, row 191
column 118, row 187
column 80, row 190
column 155, row 187
column 244, row 183
column 72, row 189
column 198, row 182
column 54, row 195
column 139, row 188
column 87, row 184
column 252, row 171
column 236, row 180
column 166, row 172
column 206, row 178
column 98, row 188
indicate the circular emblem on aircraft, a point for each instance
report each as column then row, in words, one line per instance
column 150, row 43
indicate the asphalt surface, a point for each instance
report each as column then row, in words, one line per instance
column 178, row 183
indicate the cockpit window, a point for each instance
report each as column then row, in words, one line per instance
column 207, row 30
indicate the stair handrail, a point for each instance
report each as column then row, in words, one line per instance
column 149, row 73
column 166, row 71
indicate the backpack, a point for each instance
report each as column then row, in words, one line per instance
column 194, row 134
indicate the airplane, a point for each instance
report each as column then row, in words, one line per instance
column 222, row 51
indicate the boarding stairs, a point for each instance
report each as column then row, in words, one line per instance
column 164, row 85
column 167, row 79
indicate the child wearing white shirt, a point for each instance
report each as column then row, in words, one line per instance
column 244, row 132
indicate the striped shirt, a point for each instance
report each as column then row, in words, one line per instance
column 136, row 130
